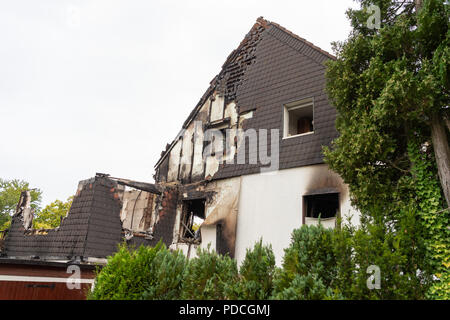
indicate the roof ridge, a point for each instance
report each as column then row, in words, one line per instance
column 312, row 45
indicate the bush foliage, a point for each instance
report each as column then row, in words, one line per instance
column 319, row 264
column 209, row 276
column 145, row 273
column 256, row 274
column 309, row 265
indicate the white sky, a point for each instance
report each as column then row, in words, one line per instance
column 102, row 86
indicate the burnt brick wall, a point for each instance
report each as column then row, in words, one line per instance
column 167, row 214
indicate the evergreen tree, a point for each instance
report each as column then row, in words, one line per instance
column 153, row 273
column 256, row 274
column 309, row 266
column 390, row 86
column 209, row 276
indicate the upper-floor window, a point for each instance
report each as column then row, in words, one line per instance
column 298, row 118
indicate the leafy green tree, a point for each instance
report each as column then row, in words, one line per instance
column 333, row 264
column 435, row 221
column 391, row 90
column 50, row 217
column 391, row 84
column 9, row 197
column 153, row 273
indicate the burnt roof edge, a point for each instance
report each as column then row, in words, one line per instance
column 259, row 22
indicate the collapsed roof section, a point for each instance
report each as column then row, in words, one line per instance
column 103, row 214
column 91, row 229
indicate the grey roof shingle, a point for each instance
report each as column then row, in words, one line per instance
column 287, row 68
column 272, row 67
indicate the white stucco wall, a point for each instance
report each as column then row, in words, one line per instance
column 270, row 205
column 208, row 237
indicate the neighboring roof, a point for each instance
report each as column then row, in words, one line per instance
column 46, row 263
column 92, row 228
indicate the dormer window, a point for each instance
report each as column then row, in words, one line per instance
column 298, row 118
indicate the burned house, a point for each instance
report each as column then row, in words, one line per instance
column 247, row 164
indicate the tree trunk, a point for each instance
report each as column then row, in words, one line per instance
column 418, row 4
column 440, row 143
column 442, row 154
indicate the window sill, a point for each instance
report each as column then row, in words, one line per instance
column 299, row 135
column 326, row 222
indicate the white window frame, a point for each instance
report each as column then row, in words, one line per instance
column 293, row 106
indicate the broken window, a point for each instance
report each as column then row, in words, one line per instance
column 324, row 205
column 215, row 142
column 192, row 218
column 298, row 118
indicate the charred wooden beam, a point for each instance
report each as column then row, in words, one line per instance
column 144, row 186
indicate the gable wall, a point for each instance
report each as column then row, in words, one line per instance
column 284, row 69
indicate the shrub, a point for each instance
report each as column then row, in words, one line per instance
column 333, row 264
column 342, row 244
column 399, row 251
column 319, row 264
column 256, row 274
column 145, row 273
column 209, row 276
column 309, row 266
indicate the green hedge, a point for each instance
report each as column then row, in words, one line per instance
column 145, row 273
column 319, row 264
column 209, row 276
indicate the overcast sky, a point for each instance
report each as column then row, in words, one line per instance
column 102, row 86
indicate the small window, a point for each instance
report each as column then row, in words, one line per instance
column 216, row 141
column 298, row 118
column 325, row 206
column 191, row 219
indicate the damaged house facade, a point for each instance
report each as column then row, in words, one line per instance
column 247, row 164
